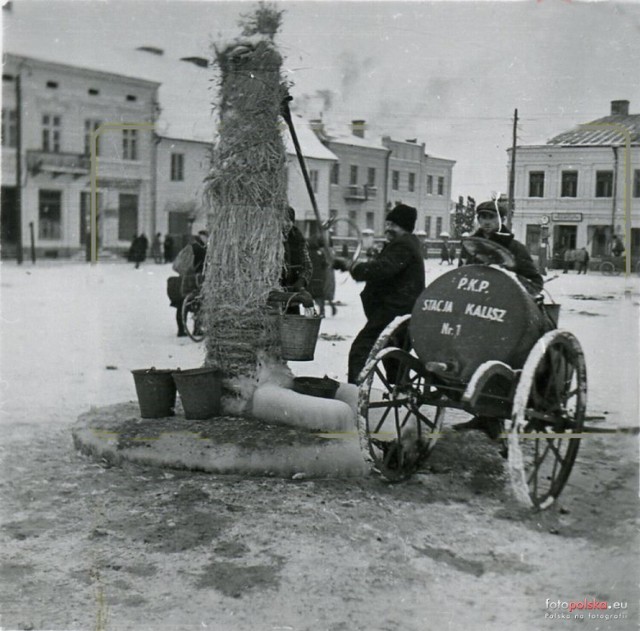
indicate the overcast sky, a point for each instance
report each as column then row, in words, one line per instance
column 450, row 73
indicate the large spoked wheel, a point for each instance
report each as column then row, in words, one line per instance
column 607, row 268
column 548, row 418
column 397, row 427
column 191, row 316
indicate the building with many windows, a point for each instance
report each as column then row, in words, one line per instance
column 65, row 113
column 153, row 139
column 373, row 175
column 573, row 187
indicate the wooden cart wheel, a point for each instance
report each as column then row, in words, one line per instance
column 191, row 316
column 548, row 418
column 397, row 428
column 607, row 268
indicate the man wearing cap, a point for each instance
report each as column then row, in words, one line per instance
column 491, row 216
column 394, row 280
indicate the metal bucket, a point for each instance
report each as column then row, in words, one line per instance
column 156, row 392
column 200, row 391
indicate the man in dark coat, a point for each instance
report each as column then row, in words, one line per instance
column 394, row 280
column 491, row 216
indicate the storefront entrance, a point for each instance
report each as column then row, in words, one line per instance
column 564, row 237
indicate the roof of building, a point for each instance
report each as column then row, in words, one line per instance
column 603, row 131
column 186, row 93
column 309, row 143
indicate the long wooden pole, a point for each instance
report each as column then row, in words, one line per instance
column 512, row 171
column 286, row 114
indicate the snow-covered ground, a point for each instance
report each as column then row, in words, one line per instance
column 89, row 546
column 71, row 333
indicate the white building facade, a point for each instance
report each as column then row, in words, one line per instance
column 62, row 110
column 574, row 188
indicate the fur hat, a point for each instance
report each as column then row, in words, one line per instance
column 492, row 207
column 403, row 216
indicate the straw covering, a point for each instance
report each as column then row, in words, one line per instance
column 246, row 196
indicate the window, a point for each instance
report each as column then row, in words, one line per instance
column 51, row 133
column 353, row 221
column 604, row 183
column 177, row 167
column 353, row 175
column 395, row 180
column 412, row 182
column 89, row 127
column 52, row 84
column 93, row 92
column 536, row 184
column 440, row 185
column 9, row 128
column 371, row 176
column 438, row 226
column 132, row 97
column 335, row 173
column 370, row 220
column 429, row 184
column 127, row 216
column 533, row 237
column 49, row 215
column 636, row 183
column 427, row 226
column 129, row 144
column 313, row 176
column 569, row 186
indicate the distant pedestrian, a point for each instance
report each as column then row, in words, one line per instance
column 319, row 265
column 617, row 247
column 168, row 249
column 582, row 259
column 445, row 252
column 139, row 250
column 156, row 248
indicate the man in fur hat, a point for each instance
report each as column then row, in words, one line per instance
column 491, row 217
column 394, row 280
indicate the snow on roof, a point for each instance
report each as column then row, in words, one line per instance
column 602, row 131
column 187, row 92
column 310, row 145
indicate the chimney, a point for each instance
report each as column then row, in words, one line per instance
column 619, row 108
column 317, row 127
column 358, row 127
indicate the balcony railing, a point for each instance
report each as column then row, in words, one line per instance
column 57, row 163
column 361, row 193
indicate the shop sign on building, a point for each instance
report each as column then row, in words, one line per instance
column 567, row 217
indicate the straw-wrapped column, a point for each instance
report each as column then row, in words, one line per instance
column 246, row 194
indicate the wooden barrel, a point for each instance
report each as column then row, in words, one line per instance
column 474, row 314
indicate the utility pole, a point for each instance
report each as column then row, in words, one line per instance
column 19, row 255
column 512, row 170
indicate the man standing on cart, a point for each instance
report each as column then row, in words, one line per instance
column 394, row 280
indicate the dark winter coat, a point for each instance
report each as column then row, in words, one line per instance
column 319, row 266
column 394, row 279
column 524, row 265
column 199, row 254
column 138, row 251
column 297, row 264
